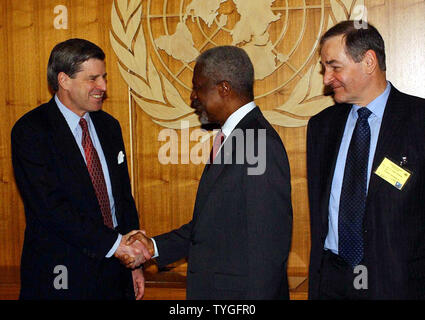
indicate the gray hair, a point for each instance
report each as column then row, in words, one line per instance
column 231, row 64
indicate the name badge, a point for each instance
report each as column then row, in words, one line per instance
column 393, row 174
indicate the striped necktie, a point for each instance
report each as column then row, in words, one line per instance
column 96, row 174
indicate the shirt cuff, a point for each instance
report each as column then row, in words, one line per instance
column 115, row 247
column 156, row 255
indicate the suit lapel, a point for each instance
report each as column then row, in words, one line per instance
column 335, row 129
column 65, row 143
column 210, row 175
column 228, row 149
column 213, row 171
column 390, row 129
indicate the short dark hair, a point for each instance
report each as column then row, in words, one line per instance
column 229, row 63
column 358, row 40
column 68, row 56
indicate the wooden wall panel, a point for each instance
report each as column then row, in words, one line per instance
column 165, row 194
column 402, row 25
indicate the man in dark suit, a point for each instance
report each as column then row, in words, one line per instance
column 238, row 241
column 366, row 177
column 70, row 166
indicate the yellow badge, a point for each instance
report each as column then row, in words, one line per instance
column 393, row 174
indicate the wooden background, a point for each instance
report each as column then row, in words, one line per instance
column 164, row 194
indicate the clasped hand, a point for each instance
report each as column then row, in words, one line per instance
column 135, row 248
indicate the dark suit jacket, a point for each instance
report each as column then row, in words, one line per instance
column 394, row 222
column 238, row 241
column 64, row 225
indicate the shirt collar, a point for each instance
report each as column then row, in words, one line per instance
column 377, row 106
column 71, row 118
column 236, row 117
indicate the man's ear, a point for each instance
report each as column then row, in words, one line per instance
column 370, row 61
column 63, row 80
column 224, row 88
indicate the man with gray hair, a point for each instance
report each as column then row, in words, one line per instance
column 238, row 240
column 366, row 176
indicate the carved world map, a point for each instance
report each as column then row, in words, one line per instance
column 253, row 37
column 280, row 36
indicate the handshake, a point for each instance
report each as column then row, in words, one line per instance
column 135, row 248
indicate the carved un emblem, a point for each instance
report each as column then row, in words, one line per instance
column 158, row 41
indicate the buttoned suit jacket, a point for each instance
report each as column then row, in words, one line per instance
column 238, row 240
column 393, row 227
column 64, row 224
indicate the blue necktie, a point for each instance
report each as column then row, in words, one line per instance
column 352, row 203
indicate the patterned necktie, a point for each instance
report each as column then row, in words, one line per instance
column 96, row 174
column 218, row 141
column 352, row 204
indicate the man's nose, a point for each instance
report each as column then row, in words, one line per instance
column 101, row 84
column 327, row 77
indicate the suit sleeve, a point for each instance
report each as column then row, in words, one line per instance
column 50, row 209
column 312, row 165
column 269, row 224
column 174, row 245
column 313, row 174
